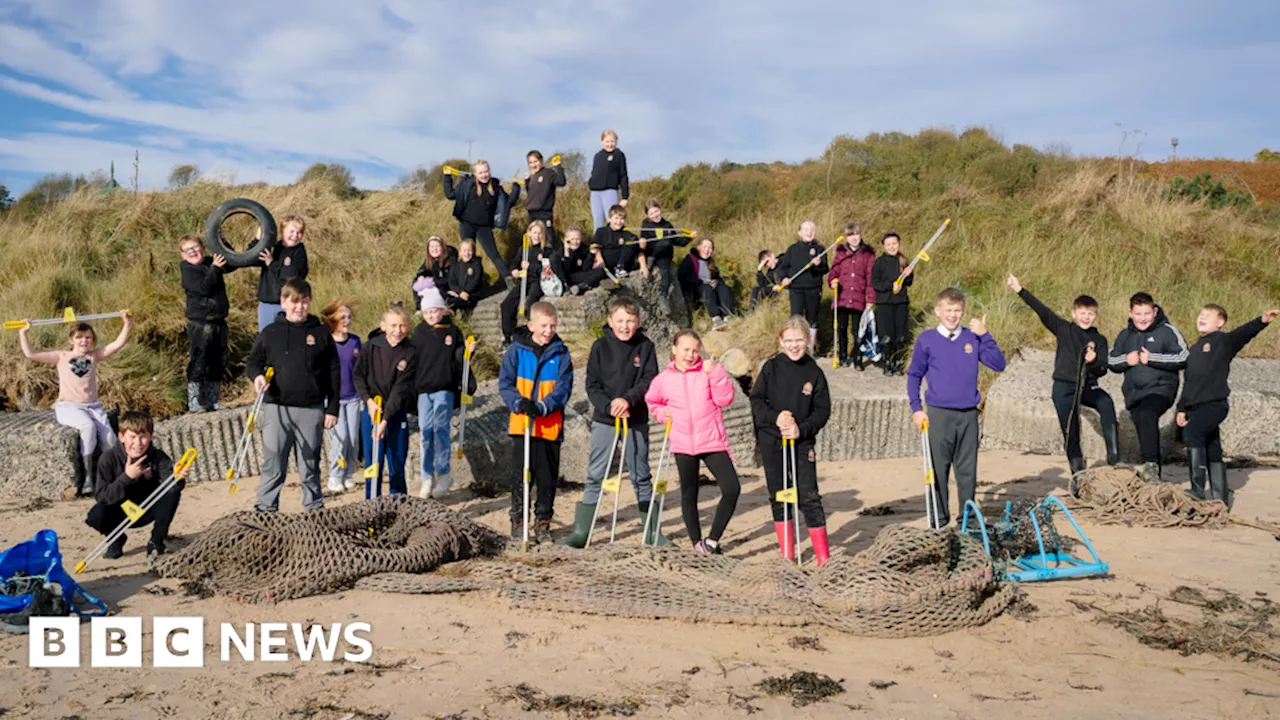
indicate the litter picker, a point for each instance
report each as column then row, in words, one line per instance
column 466, row 399
column 789, row 496
column 835, row 324
column 812, row 261
column 922, row 255
column 372, row 475
column 659, row 234
column 930, row 480
column 242, row 448
column 617, row 482
column 133, row 513
column 607, row 484
column 528, row 425
column 659, row 491
column 524, row 274
column 68, row 316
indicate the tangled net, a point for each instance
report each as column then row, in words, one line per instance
column 1115, row 495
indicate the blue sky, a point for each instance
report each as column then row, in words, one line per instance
column 257, row 91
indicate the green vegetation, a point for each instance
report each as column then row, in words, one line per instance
column 1064, row 225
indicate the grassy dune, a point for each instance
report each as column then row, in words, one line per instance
column 1063, row 225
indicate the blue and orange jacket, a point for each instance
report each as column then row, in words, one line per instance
column 542, row 374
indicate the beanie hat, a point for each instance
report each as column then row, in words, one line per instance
column 432, row 300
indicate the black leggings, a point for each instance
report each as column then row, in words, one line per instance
column 1203, row 428
column 717, row 301
column 846, row 317
column 1064, row 399
column 208, row 342
column 721, row 468
column 1146, row 420
column 483, row 234
column 805, row 302
column 663, row 264
column 511, row 306
column 806, row 479
column 587, row 279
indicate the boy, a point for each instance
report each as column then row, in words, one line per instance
column 766, row 277
column 1077, row 365
column 285, row 261
column 1203, row 405
column 207, row 308
column 949, row 358
column 131, row 470
column 535, row 381
column 302, row 399
column 1149, row 353
column 580, row 269
column 622, row 364
column 540, row 184
column 618, row 246
column 806, row 290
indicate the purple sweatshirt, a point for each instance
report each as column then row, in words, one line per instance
column 952, row 368
column 348, row 353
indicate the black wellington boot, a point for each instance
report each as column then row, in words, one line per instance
column 1199, row 472
column 1218, row 484
column 1110, row 436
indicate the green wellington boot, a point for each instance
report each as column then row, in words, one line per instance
column 652, row 533
column 582, row 516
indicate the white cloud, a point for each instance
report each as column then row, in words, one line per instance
column 77, row 127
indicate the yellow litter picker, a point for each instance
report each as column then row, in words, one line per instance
column 922, row 255
column 68, row 316
column 242, row 447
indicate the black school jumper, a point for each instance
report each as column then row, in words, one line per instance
column 800, row 387
column 806, row 290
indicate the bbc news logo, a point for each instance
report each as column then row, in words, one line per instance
column 178, row 642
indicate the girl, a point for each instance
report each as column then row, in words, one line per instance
column 790, row 400
column 435, row 267
column 850, row 276
column 386, row 369
column 436, row 384
column 538, row 250
column 662, row 251
column 608, row 183
column 285, row 261
column 692, row 393
column 344, row 439
column 580, row 269
column 78, row 405
column 464, row 280
column 700, row 278
column 481, row 204
column 891, row 309
column 806, row 290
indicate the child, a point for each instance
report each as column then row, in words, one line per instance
column 435, row 268
column 619, row 370
column 439, row 346
column 618, row 246
column 465, row 277
column 1149, row 352
column 538, row 250
column 891, row 308
column 540, row 184
column 131, row 471
column 580, row 268
column 790, row 400
column 344, row 440
column 78, row 405
column 851, row 277
column 806, row 290
column 658, row 244
column 386, row 370
column 608, row 183
column 700, row 279
column 535, row 381
column 1203, row 405
column 207, row 309
column 279, row 264
column 692, row 394
column 1079, row 359
column 766, row 277
column 301, row 400
column 481, row 204
column 948, row 359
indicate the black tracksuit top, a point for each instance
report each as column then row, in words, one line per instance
column 795, row 257
column 206, row 291
column 1072, row 341
column 1209, row 364
column 113, row 487
column 388, row 372
column 886, row 269
column 617, row 369
column 800, row 387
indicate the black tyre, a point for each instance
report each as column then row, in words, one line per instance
column 217, row 243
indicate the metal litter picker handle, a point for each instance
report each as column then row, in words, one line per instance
column 242, row 447
column 922, row 255
column 659, row 491
column 68, row 316
column 930, row 491
column 465, row 399
column 605, row 482
column 622, row 465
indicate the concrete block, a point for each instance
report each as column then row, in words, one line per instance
column 41, row 457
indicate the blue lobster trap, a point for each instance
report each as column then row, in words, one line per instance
column 1050, row 561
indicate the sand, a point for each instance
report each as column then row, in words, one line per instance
column 453, row 655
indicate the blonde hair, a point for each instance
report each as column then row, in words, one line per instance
column 796, row 322
column 607, row 132
column 189, row 237
column 543, row 308
column 399, row 311
column 293, row 218
column 478, row 163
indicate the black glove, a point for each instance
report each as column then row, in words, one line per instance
column 529, row 407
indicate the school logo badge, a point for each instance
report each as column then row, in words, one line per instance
column 355, row 353
column 813, row 251
column 1206, row 347
column 807, row 390
column 311, row 339
column 635, row 361
column 288, row 262
column 400, row 366
column 968, row 349
column 610, row 157
column 540, row 178
column 470, row 270
column 812, row 457
column 448, row 339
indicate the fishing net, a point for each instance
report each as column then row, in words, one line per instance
column 1115, row 495
column 910, row 582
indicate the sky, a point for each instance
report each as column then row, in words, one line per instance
column 252, row 91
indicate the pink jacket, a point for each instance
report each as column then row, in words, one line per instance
column 693, row 400
column 853, row 269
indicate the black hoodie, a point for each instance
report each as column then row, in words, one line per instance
column 1209, row 364
column 886, row 269
column 466, row 276
column 1168, row 355
column 286, row 263
column 1072, row 341
column 305, row 361
column 206, row 291
column 800, row 387
column 796, row 257
column 440, row 350
column 540, row 189
column 617, row 369
column 114, row 487
column 609, row 171
column 388, row 372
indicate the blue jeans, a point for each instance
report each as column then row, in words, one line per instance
column 435, row 411
column 393, row 448
column 601, row 201
column 267, row 313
